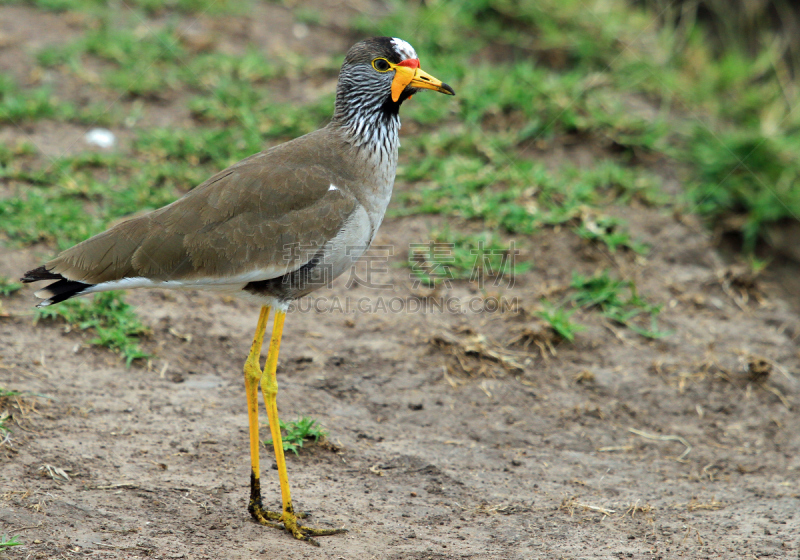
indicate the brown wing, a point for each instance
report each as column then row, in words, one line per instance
column 241, row 220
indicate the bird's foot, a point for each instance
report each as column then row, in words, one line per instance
column 288, row 522
column 304, row 533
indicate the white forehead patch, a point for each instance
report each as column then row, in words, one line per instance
column 405, row 50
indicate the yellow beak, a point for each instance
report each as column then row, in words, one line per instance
column 415, row 77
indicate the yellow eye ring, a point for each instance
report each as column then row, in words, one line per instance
column 381, row 65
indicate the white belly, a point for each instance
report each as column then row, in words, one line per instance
column 351, row 242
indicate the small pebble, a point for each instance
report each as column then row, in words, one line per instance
column 101, row 137
column 300, row 30
column 413, row 494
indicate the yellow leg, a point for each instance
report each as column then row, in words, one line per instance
column 269, row 387
column 252, row 375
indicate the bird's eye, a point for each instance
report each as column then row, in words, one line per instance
column 381, row 65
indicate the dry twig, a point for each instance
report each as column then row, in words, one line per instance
column 672, row 437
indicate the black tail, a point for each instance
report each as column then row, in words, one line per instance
column 57, row 291
column 40, row 273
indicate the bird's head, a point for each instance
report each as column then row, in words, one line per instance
column 379, row 74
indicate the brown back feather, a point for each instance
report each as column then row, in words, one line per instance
column 240, row 220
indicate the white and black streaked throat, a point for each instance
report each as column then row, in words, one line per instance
column 370, row 120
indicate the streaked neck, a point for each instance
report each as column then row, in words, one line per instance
column 369, row 123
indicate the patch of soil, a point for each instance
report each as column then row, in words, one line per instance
column 580, row 452
column 613, row 446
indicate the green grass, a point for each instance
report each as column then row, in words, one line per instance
column 19, row 106
column 296, row 432
column 615, row 299
column 8, row 287
column 8, row 542
column 309, row 16
column 610, row 232
column 449, row 255
column 8, row 393
column 149, row 7
column 112, row 320
column 474, row 169
column 522, row 196
column 529, row 75
column 619, row 301
column 606, row 73
column 66, row 200
column 559, row 320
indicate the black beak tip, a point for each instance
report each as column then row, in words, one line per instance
column 448, row 90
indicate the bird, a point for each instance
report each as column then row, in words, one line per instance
column 271, row 228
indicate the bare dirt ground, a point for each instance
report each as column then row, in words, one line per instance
column 448, row 439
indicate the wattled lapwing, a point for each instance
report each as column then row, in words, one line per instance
column 271, row 228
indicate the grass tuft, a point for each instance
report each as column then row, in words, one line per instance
column 619, row 301
column 296, row 432
column 8, row 287
column 610, row 232
column 451, row 255
column 7, row 542
column 559, row 320
column 109, row 316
